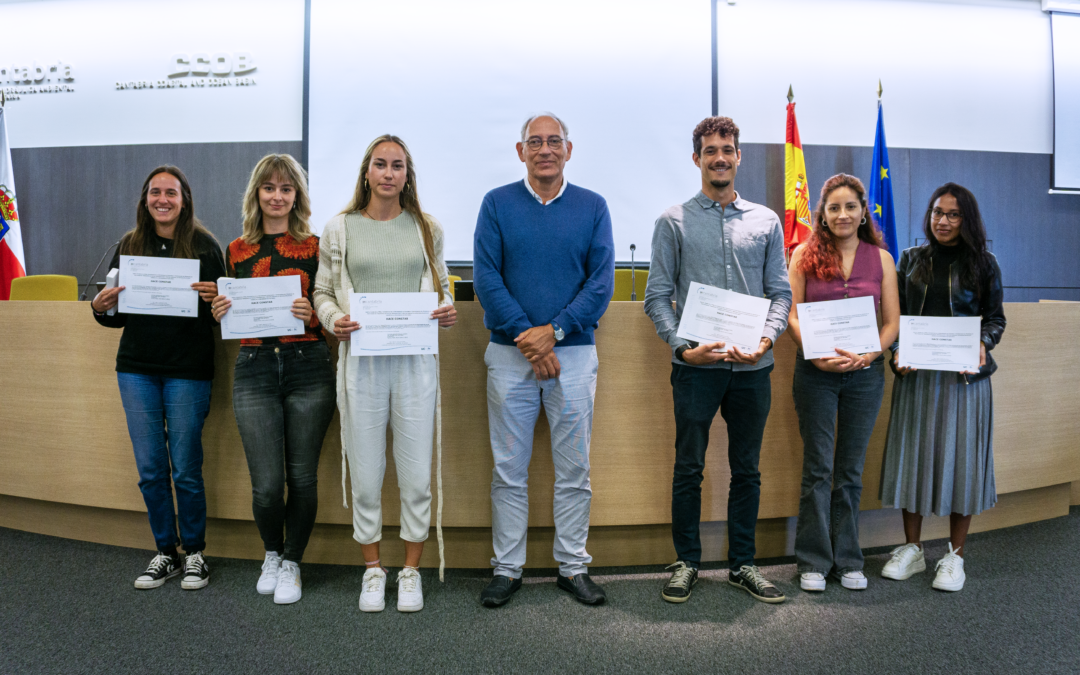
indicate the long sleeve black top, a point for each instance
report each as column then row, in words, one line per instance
column 170, row 346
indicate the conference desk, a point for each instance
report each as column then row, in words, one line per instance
column 68, row 470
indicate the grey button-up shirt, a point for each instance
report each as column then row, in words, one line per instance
column 740, row 248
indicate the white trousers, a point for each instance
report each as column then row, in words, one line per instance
column 401, row 390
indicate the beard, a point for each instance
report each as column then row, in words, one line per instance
column 720, row 183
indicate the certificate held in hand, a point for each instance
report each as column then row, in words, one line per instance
column 261, row 307
column 849, row 324
column 394, row 324
column 159, row 286
column 940, row 343
column 717, row 315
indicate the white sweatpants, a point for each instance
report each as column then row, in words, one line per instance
column 400, row 389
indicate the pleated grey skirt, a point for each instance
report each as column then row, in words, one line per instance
column 939, row 451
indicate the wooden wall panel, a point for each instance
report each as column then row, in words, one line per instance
column 63, row 437
column 471, row 547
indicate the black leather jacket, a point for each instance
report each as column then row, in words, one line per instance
column 963, row 301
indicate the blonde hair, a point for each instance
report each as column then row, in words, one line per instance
column 407, row 198
column 290, row 170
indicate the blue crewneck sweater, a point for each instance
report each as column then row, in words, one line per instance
column 535, row 263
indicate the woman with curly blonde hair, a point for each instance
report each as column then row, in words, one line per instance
column 283, row 387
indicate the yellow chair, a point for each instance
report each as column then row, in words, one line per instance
column 45, row 287
column 622, row 285
column 453, row 278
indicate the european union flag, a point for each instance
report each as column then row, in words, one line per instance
column 881, row 201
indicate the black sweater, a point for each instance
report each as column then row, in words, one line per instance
column 170, row 346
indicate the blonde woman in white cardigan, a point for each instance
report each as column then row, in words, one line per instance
column 383, row 243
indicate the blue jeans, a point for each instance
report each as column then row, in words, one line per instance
column 837, row 412
column 514, row 397
column 743, row 399
column 284, row 398
column 165, row 418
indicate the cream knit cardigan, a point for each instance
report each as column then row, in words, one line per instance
column 332, row 289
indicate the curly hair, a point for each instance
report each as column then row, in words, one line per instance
column 821, row 258
column 725, row 126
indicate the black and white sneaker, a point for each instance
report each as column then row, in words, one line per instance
column 196, row 572
column 682, row 580
column 162, row 568
column 750, row 580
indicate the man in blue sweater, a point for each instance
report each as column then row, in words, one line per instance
column 543, row 269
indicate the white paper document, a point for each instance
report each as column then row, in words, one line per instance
column 261, row 307
column 849, row 324
column 160, row 286
column 940, row 342
column 716, row 315
column 394, row 323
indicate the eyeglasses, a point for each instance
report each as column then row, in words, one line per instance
column 952, row 216
column 555, row 143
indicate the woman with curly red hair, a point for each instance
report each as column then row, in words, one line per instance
column 283, row 387
column 838, row 398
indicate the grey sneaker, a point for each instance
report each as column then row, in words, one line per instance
column 749, row 579
column 681, row 582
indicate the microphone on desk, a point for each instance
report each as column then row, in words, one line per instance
column 633, row 276
column 94, row 273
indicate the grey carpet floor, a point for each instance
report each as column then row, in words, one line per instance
column 69, row 607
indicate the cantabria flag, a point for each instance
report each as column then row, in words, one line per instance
column 797, row 226
column 12, row 263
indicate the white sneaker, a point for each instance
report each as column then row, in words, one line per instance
column 950, row 572
column 288, row 584
column 906, row 560
column 373, row 591
column 812, row 581
column 268, row 580
column 410, row 592
column 855, row 580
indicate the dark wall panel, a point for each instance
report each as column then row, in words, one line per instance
column 75, row 202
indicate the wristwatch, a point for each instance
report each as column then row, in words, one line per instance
column 559, row 332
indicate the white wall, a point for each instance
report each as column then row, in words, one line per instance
column 110, row 41
column 456, row 79
column 957, row 75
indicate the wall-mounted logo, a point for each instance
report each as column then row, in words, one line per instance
column 220, row 64
column 48, row 77
column 220, row 69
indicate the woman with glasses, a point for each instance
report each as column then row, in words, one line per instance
column 283, row 387
column 837, row 398
column 165, row 367
column 384, row 243
column 939, row 450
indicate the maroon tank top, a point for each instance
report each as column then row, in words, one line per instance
column 865, row 279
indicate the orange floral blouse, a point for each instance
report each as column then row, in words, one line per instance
column 279, row 255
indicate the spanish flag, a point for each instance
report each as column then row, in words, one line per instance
column 796, row 193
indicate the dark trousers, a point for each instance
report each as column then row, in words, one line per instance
column 837, row 412
column 743, row 399
column 284, row 397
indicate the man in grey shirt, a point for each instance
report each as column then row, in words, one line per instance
column 718, row 239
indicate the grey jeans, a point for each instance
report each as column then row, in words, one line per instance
column 837, row 412
column 284, row 398
column 514, row 398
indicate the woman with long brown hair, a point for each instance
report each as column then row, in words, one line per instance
column 838, row 398
column 939, row 451
column 283, row 387
column 384, row 243
column 164, row 367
